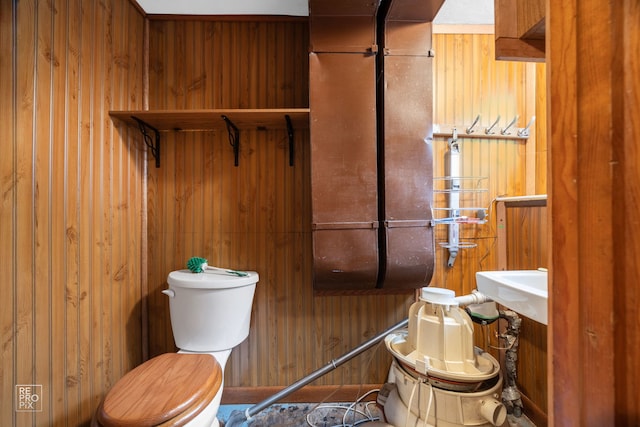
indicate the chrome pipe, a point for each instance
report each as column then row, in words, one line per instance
column 238, row 417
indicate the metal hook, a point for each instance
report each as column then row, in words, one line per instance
column 489, row 130
column 453, row 141
column 470, row 129
column 505, row 130
column 525, row 132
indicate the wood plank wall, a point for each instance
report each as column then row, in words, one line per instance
column 70, row 205
column 468, row 81
column 594, row 102
column 527, row 248
column 73, row 195
column 255, row 216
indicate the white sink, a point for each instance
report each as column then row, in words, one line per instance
column 523, row 291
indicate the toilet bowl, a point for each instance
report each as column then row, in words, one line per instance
column 210, row 315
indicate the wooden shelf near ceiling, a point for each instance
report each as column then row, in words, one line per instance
column 520, row 30
column 152, row 122
column 212, row 119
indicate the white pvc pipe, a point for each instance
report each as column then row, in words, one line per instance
column 476, row 297
column 493, row 411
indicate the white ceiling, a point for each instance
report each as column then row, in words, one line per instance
column 478, row 12
column 465, row 12
column 226, row 7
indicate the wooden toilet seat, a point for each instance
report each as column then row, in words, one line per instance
column 170, row 389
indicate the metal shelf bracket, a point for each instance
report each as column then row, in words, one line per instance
column 234, row 138
column 153, row 144
column 290, row 134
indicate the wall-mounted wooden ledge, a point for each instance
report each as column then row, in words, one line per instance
column 523, row 201
column 211, row 119
column 520, row 28
column 515, row 49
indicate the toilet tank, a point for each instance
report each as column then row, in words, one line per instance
column 210, row 311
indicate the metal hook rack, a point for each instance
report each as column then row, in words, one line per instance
column 448, row 131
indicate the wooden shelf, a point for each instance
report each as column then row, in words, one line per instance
column 211, row 119
column 152, row 122
column 520, row 30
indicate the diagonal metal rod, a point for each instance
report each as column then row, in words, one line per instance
column 238, row 417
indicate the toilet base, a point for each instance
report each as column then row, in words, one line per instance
column 203, row 419
column 159, row 403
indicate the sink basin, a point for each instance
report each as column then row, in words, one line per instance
column 523, row 291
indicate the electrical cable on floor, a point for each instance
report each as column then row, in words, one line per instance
column 432, row 396
column 353, row 405
column 367, row 416
column 426, row 416
column 413, row 392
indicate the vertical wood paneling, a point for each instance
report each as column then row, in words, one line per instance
column 8, row 159
column 626, row 104
column 468, row 81
column 71, row 205
column 72, row 196
column 593, row 162
column 257, row 215
column 539, row 131
column 526, row 231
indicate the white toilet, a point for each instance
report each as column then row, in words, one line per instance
column 210, row 314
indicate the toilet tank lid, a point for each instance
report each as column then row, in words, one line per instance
column 210, row 279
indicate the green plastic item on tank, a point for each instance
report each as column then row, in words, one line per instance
column 199, row 265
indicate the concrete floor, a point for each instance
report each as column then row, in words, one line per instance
column 326, row 415
column 308, row 414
